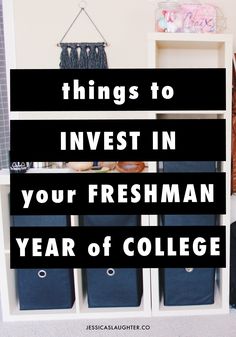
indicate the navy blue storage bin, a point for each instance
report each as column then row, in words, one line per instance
column 40, row 220
column 189, row 166
column 190, row 286
column 109, row 287
column 110, row 220
column 120, row 287
column 188, row 220
column 45, row 288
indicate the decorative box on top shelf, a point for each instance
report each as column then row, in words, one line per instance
column 173, row 16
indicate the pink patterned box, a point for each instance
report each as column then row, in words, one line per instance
column 198, row 18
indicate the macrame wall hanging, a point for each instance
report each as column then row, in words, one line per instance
column 83, row 55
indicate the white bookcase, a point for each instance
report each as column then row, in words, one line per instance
column 8, row 288
column 80, row 309
column 9, row 298
column 167, row 50
column 164, row 51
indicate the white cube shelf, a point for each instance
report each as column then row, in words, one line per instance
column 167, row 50
column 80, row 309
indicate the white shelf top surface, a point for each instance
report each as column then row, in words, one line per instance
column 191, row 37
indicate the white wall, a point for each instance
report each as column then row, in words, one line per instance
column 39, row 25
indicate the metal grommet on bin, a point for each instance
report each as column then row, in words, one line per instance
column 111, row 272
column 42, row 273
column 189, row 270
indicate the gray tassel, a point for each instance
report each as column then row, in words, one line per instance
column 74, row 58
column 102, row 57
column 65, row 58
column 92, row 57
column 83, row 59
